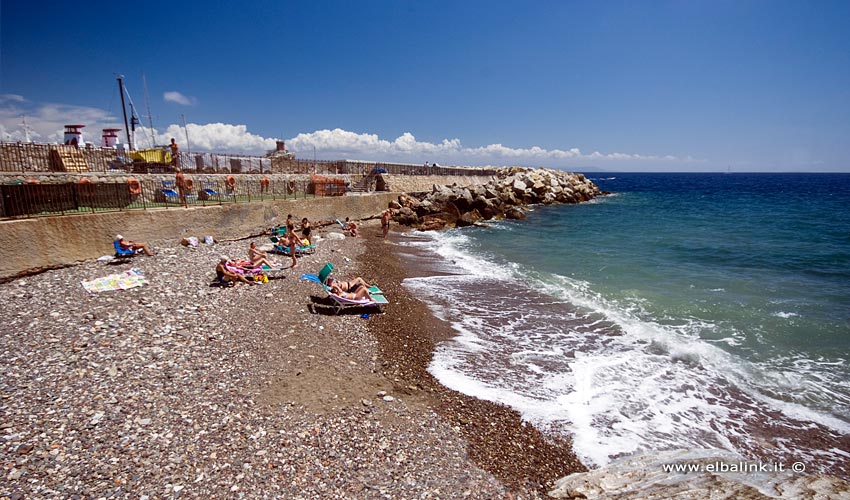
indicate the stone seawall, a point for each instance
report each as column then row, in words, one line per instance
column 45, row 242
column 424, row 183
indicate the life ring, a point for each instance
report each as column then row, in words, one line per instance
column 291, row 187
column 230, row 181
column 264, row 183
column 31, row 181
column 134, row 185
column 188, row 184
column 84, row 181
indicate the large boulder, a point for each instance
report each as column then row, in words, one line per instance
column 469, row 219
column 514, row 213
column 519, row 187
column 433, row 222
column 406, row 216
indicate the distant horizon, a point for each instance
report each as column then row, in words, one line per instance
column 619, row 86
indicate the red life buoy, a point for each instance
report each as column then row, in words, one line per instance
column 84, row 181
column 31, row 181
column 264, row 182
column 134, row 185
column 230, row 181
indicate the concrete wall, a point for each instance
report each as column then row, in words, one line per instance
column 44, row 242
column 417, row 183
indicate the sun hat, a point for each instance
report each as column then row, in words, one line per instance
column 119, row 237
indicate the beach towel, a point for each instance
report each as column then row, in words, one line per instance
column 121, row 281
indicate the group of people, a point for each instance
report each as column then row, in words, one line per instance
column 228, row 272
column 292, row 241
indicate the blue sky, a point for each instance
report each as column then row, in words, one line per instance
column 622, row 86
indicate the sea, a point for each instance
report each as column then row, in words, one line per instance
column 680, row 312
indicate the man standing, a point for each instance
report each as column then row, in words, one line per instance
column 180, row 184
column 385, row 222
column 174, row 151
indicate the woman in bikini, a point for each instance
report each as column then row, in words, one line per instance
column 359, row 293
column 306, row 229
column 259, row 258
column 348, row 286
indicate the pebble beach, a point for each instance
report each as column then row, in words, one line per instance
column 177, row 389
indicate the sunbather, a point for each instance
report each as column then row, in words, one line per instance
column 359, row 294
column 348, row 286
column 258, row 257
column 225, row 276
column 133, row 245
column 352, row 227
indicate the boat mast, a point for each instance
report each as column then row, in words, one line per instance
column 124, row 109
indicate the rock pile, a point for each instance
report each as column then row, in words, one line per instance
column 503, row 197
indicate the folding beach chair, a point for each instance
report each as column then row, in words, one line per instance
column 341, row 303
column 208, row 189
column 169, row 193
column 299, row 250
column 121, row 252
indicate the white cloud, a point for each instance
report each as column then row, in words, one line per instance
column 217, row 137
column 11, row 98
column 407, row 148
column 178, row 98
column 46, row 124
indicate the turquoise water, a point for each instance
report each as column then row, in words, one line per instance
column 765, row 258
column 682, row 311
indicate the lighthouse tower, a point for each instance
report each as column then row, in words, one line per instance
column 110, row 137
column 74, row 135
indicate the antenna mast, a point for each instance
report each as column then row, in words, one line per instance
column 186, row 129
column 148, row 106
column 26, row 128
column 124, row 109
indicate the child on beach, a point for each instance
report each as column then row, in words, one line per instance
column 351, row 226
column 385, row 222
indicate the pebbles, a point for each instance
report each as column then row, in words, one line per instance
column 170, row 390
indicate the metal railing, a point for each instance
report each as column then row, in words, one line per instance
column 27, row 200
column 27, row 157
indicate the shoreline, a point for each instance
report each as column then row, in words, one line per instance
column 498, row 440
